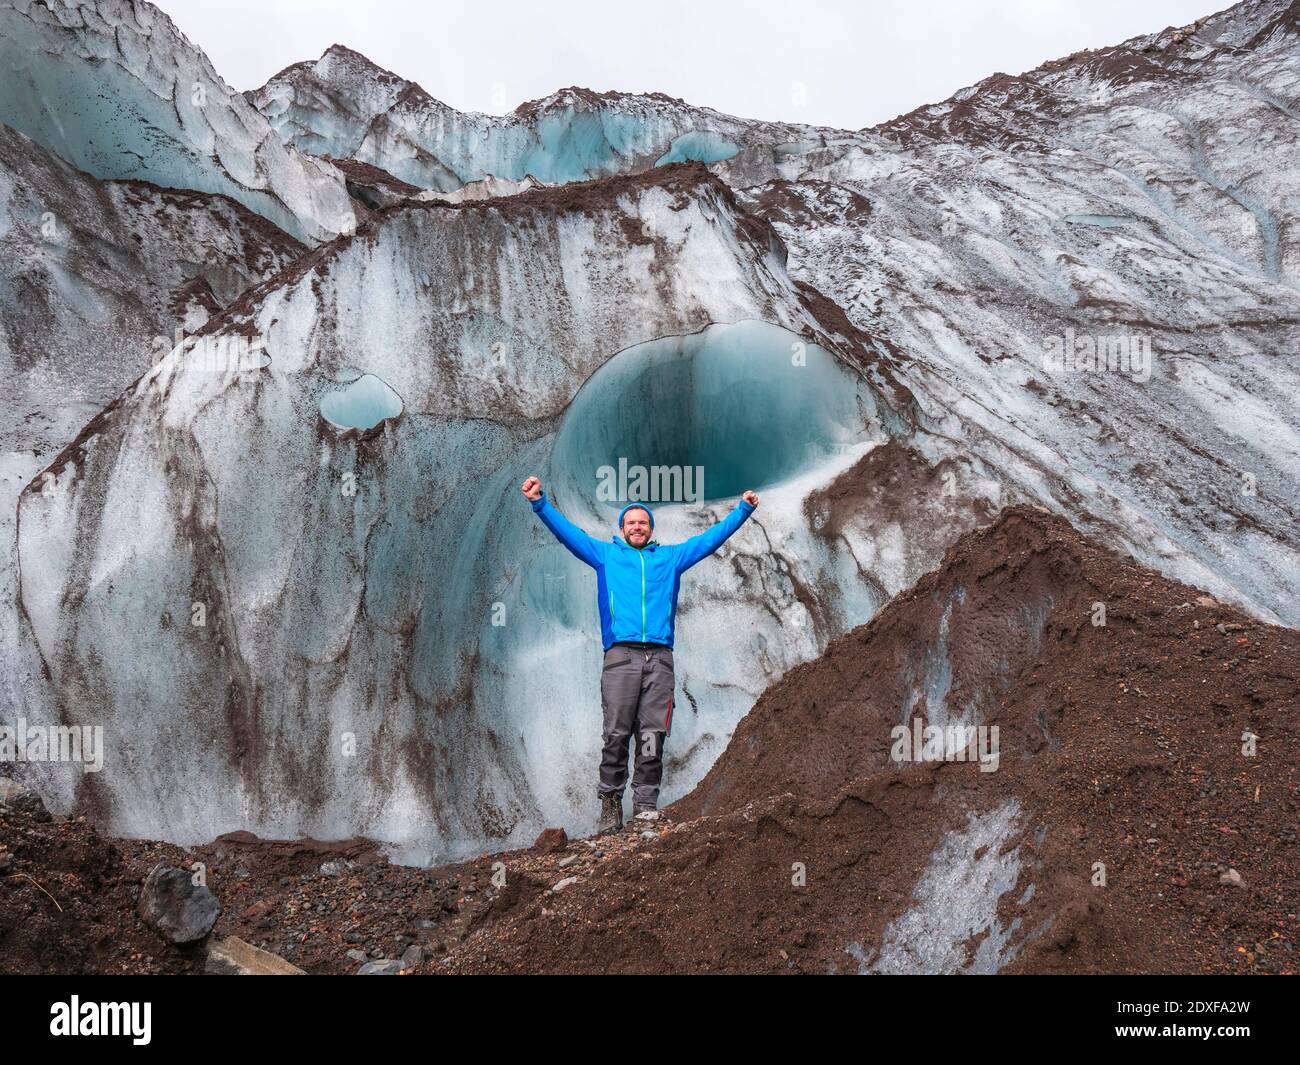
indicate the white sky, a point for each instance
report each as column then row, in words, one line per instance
column 844, row 63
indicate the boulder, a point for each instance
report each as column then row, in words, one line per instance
column 175, row 907
column 21, row 797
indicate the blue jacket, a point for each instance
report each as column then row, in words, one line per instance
column 636, row 589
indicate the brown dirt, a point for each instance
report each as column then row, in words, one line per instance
column 1122, row 744
column 360, row 173
column 67, row 901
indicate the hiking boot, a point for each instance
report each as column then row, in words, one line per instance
column 611, row 814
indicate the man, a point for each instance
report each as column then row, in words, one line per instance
column 637, row 580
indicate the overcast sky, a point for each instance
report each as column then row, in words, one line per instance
column 844, row 63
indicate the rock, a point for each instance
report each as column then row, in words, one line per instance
column 382, row 967
column 175, row 907
column 258, row 909
column 412, row 956
column 1232, row 877
column 358, row 955
column 22, row 798
column 353, row 937
column 565, row 883
column 551, row 840
column 333, row 869
column 233, row 957
column 566, row 862
column 6, row 860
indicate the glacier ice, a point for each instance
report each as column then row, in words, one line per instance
column 363, row 404
column 1106, row 221
column 91, row 277
column 1196, row 471
column 749, row 404
column 701, row 145
column 342, row 105
column 116, row 90
column 956, row 900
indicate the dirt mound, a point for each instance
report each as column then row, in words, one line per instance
column 1122, row 830
column 68, row 897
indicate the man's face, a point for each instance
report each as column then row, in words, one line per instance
column 636, row 527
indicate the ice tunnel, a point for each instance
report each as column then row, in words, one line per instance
column 734, row 407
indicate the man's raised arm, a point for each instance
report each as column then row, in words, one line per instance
column 582, row 546
column 699, row 547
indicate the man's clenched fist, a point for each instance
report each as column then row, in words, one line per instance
column 532, row 488
column 751, row 497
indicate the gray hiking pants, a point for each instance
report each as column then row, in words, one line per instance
column 636, row 694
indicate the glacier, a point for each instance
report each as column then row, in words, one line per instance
column 98, row 280
column 113, row 88
column 302, row 594
column 371, row 633
column 346, row 107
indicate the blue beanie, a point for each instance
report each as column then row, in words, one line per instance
column 636, row 506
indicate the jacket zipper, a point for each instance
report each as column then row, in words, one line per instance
column 610, row 592
column 643, row 598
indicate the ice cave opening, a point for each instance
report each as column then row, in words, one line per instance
column 705, row 416
column 699, row 145
column 365, row 403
